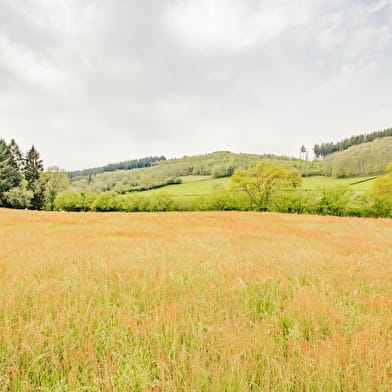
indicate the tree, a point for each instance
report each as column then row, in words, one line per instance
column 17, row 156
column 54, row 181
column 262, row 181
column 146, row 181
column 382, row 188
column 20, row 196
column 9, row 175
column 32, row 169
column 303, row 152
column 328, row 148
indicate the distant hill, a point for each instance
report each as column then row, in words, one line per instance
column 362, row 160
column 124, row 165
column 165, row 172
column 324, row 149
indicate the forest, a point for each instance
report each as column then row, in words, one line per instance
column 257, row 183
column 124, row 165
column 324, row 149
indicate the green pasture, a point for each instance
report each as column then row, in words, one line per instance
column 201, row 185
column 191, row 188
column 320, row 182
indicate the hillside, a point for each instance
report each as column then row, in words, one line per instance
column 324, row 149
column 206, row 186
column 362, row 160
column 123, row 165
column 165, row 172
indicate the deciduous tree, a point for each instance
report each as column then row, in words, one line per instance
column 54, row 181
column 382, row 188
column 262, row 181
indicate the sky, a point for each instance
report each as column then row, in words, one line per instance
column 90, row 82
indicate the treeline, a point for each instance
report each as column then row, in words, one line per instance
column 366, row 159
column 23, row 182
column 215, row 165
column 19, row 177
column 261, row 188
column 124, row 165
column 338, row 202
column 324, row 149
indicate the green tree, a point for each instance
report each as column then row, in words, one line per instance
column 20, row 196
column 147, row 181
column 382, row 188
column 32, row 169
column 262, row 181
column 106, row 201
column 9, row 175
column 17, row 156
column 54, row 181
column 303, row 152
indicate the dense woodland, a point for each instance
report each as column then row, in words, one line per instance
column 23, row 182
column 258, row 183
column 324, row 149
column 124, row 165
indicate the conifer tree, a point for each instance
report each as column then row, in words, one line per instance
column 32, row 169
column 9, row 175
column 17, row 156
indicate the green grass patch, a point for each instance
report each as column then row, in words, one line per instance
column 192, row 188
column 320, row 182
column 201, row 185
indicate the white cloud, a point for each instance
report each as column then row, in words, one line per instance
column 232, row 24
column 92, row 81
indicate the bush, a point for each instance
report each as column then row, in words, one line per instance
column 107, row 201
column 223, row 199
column 74, row 201
column 337, row 201
column 19, row 197
column 332, row 202
column 132, row 202
column 67, row 201
column 161, row 201
column 295, row 201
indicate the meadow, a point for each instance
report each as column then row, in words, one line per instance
column 196, row 301
column 198, row 185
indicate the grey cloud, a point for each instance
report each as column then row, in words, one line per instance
column 97, row 81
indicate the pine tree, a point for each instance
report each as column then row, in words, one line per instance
column 9, row 175
column 17, row 156
column 302, row 152
column 32, row 169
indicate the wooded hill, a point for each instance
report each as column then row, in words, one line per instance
column 324, row 149
column 124, row 165
column 361, row 160
column 164, row 172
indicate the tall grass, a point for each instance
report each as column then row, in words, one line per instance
column 194, row 302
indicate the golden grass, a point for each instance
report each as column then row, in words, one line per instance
column 194, row 302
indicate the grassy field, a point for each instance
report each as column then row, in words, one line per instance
column 192, row 188
column 194, row 302
column 356, row 183
column 198, row 185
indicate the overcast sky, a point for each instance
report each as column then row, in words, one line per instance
column 96, row 81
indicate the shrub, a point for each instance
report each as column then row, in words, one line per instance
column 160, row 201
column 131, row 202
column 67, row 201
column 19, row 197
column 295, row 201
column 107, row 201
